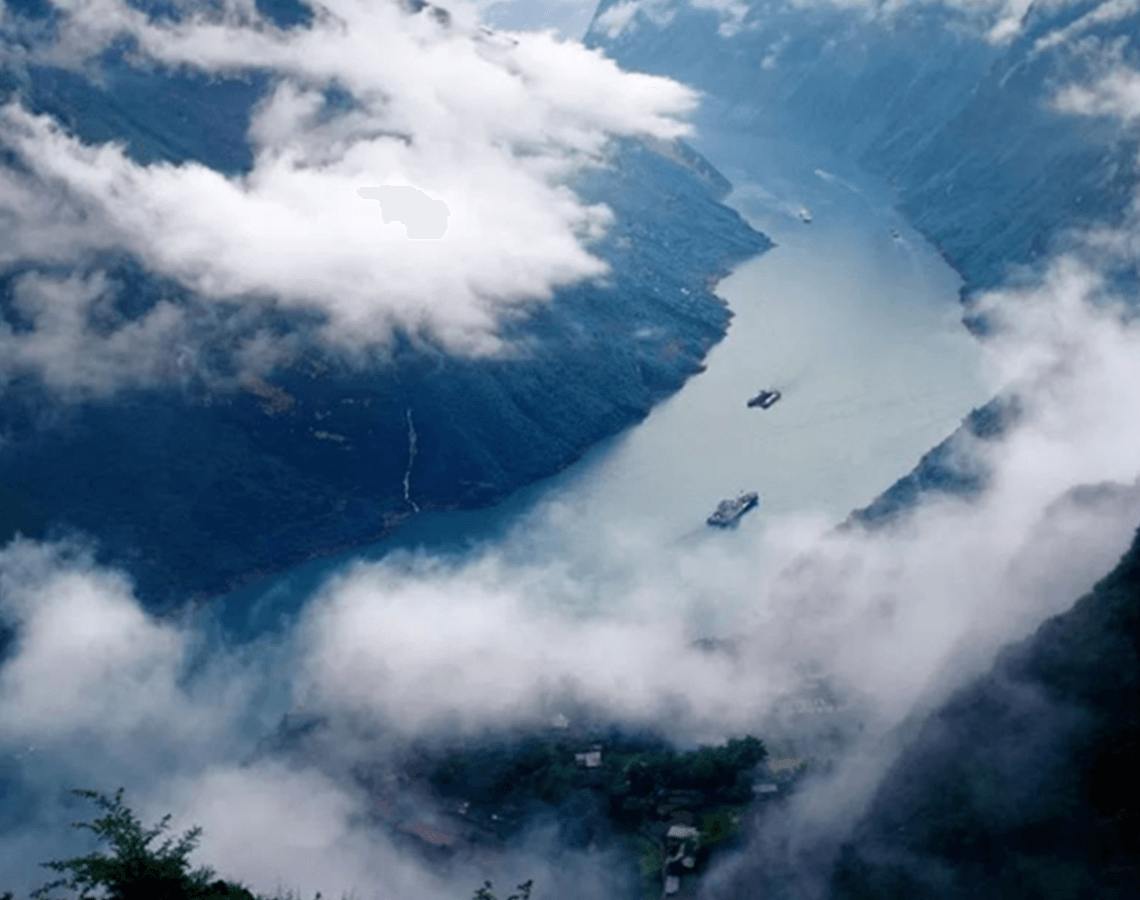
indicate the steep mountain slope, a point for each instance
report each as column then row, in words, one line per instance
column 1021, row 785
column 196, row 486
column 967, row 131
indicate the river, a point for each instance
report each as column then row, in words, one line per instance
column 852, row 316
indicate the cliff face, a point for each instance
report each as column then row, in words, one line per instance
column 1021, row 784
column 194, row 488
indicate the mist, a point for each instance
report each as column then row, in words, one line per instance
column 98, row 691
column 569, row 612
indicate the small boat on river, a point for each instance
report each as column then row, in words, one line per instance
column 764, row 399
column 728, row 512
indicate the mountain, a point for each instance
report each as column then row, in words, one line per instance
column 967, row 131
column 1018, row 785
column 196, row 487
column 1021, row 784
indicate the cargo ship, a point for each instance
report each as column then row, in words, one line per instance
column 728, row 512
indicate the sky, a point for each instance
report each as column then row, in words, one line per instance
column 99, row 692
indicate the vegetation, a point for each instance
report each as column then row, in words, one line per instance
column 634, row 777
column 636, row 788
column 1023, row 784
column 484, row 893
column 137, row 870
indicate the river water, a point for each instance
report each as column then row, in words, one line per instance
column 852, row 316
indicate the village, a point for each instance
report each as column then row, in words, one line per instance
column 669, row 812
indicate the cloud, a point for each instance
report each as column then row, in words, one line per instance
column 565, row 612
column 1104, row 13
column 1115, row 94
column 732, row 14
column 493, row 126
column 492, row 644
column 70, row 355
column 87, row 657
column 278, row 828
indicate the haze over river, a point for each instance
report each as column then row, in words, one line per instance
column 853, row 317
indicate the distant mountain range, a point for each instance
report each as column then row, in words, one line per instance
column 966, row 131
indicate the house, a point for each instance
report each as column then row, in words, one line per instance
column 787, row 764
column 591, row 759
column 682, row 833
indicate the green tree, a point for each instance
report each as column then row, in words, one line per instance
column 136, row 870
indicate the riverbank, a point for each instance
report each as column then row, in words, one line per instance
column 853, row 317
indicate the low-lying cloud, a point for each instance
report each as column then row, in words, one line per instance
column 97, row 691
column 492, row 126
column 560, row 616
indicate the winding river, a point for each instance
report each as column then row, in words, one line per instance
column 852, row 316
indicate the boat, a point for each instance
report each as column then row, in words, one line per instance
column 764, row 399
column 728, row 512
column 805, row 215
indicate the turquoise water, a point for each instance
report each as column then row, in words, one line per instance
column 853, row 317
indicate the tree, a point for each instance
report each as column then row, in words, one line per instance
column 484, row 893
column 136, row 870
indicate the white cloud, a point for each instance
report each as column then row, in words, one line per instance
column 492, row 126
column 71, row 355
column 88, row 658
column 622, row 16
column 1104, row 13
column 995, row 21
column 489, row 643
column 1115, row 94
column 894, row 618
column 282, row 829
column 732, row 14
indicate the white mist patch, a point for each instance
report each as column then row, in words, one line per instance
column 424, row 218
column 1116, row 93
column 490, row 126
